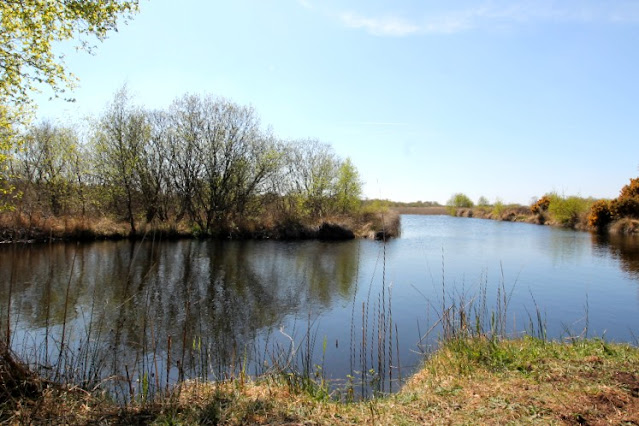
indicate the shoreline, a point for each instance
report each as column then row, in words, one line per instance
column 467, row 380
column 522, row 214
column 18, row 229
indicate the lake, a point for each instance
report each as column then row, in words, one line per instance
column 148, row 314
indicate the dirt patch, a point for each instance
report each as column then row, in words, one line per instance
column 628, row 381
column 608, row 406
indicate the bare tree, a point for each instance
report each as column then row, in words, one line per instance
column 44, row 165
column 220, row 159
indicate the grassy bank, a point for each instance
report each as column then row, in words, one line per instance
column 616, row 216
column 578, row 220
column 467, row 381
column 16, row 227
column 574, row 214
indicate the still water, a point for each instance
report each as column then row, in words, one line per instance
column 182, row 309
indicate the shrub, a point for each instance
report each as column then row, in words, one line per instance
column 498, row 209
column 625, row 207
column 541, row 205
column 600, row 215
column 567, row 211
column 627, row 204
column 457, row 201
column 631, row 190
column 460, row 200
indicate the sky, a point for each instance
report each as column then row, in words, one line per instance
column 504, row 99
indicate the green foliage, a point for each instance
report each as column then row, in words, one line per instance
column 7, row 142
column 28, row 31
column 390, row 203
column 47, row 164
column 311, row 168
column 483, row 202
column 316, row 182
column 119, row 140
column 458, row 200
column 205, row 163
column 30, row 28
column 348, row 188
column 498, row 209
column 376, row 206
column 567, row 211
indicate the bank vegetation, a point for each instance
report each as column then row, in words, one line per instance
column 203, row 167
column 467, row 381
column 619, row 215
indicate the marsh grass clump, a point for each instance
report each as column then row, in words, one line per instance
column 17, row 381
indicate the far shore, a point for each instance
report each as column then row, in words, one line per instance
column 627, row 226
column 433, row 210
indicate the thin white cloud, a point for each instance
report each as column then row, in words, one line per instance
column 495, row 14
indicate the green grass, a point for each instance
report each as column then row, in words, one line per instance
column 467, row 381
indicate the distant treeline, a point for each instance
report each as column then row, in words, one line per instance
column 204, row 160
column 396, row 204
column 619, row 215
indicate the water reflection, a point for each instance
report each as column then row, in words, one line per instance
column 169, row 299
column 174, row 310
column 567, row 246
column 624, row 248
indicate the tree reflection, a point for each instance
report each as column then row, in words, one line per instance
column 625, row 248
column 196, row 305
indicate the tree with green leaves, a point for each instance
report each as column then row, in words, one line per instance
column 29, row 32
column 29, row 29
column 460, row 200
column 120, row 138
column 219, row 159
column 312, row 167
column 348, row 187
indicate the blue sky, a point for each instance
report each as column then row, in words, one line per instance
column 502, row 99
